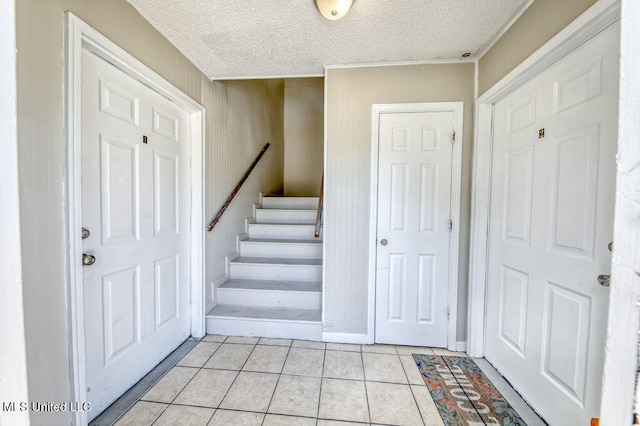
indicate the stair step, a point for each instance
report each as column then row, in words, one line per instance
column 286, row 216
column 282, row 269
column 281, row 231
column 234, row 320
column 281, row 248
column 310, row 203
column 267, row 285
column 281, row 294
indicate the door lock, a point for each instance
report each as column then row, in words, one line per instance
column 88, row 260
column 85, row 233
column 384, row 242
column 604, row 280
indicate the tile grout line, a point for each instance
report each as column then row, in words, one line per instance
column 415, row 401
column 366, row 391
column 320, row 391
column 277, row 382
column 139, row 398
column 189, row 381
column 324, row 360
column 237, row 375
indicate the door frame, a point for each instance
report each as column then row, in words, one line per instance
column 79, row 36
column 594, row 20
column 456, row 181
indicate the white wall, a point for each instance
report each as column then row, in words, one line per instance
column 303, row 136
column 41, row 157
column 13, row 365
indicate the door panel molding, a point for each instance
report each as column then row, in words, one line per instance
column 79, row 36
column 598, row 17
column 456, row 181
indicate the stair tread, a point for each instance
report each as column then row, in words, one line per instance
column 286, row 209
column 250, row 312
column 315, row 241
column 281, row 224
column 306, row 286
column 291, row 197
column 277, row 261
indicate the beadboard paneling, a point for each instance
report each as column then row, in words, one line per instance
column 349, row 95
column 303, row 136
column 537, row 25
column 241, row 117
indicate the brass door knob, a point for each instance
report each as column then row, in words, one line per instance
column 604, row 280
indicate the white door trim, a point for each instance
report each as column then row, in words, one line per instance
column 621, row 361
column 595, row 19
column 80, row 36
column 13, row 353
column 456, row 181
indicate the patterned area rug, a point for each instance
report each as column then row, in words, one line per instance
column 463, row 394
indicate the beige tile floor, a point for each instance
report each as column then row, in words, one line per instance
column 257, row 381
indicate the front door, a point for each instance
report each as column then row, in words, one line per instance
column 413, row 229
column 551, row 221
column 135, row 198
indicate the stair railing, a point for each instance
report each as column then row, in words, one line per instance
column 319, row 214
column 231, row 196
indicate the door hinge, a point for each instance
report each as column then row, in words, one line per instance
column 453, row 137
column 450, row 225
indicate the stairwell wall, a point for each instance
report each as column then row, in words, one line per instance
column 244, row 115
column 303, row 136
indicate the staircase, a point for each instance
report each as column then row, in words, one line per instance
column 275, row 284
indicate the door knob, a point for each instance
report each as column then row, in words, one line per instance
column 384, row 242
column 610, row 246
column 604, row 280
column 88, row 260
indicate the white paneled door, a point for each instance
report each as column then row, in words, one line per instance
column 413, row 229
column 551, row 223
column 135, row 198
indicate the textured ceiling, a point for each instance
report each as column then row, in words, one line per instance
column 228, row 39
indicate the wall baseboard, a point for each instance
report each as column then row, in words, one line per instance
column 353, row 338
column 461, row 346
column 212, row 302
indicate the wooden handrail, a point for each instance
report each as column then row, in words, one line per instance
column 319, row 214
column 218, row 215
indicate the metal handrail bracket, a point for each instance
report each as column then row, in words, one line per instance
column 319, row 213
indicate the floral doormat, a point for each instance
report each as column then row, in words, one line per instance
column 463, row 394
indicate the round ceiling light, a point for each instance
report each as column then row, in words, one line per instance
column 334, row 9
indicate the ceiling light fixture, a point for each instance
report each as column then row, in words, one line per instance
column 334, row 9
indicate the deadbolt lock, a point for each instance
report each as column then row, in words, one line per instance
column 85, row 233
column 384, row 242
column 88, row 260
